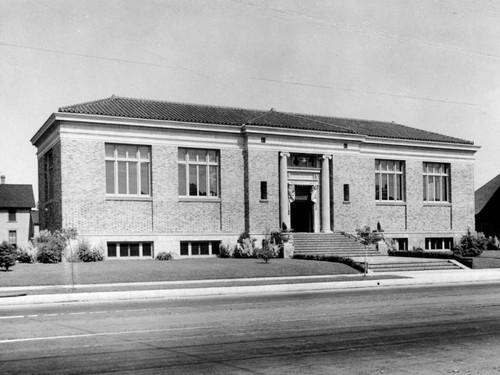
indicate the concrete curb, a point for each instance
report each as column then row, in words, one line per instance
column 415, row 279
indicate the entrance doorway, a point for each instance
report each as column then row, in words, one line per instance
column 302, row 210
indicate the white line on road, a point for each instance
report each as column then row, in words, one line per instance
column 71, row 313
column 8, row 341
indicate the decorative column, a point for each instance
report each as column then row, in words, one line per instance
column 325, row 194
column 284, row 211
column 316, row 210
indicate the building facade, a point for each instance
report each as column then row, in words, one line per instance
column 141, row 176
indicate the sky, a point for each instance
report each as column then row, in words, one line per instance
column 429, row 64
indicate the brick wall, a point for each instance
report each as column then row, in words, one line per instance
column 50, row 210
column 416, row 217
column 232, row 190
column 86, row 207
column 462, row 195
column 171, row 214
column 263, row 166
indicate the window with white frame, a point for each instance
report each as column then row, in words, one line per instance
column 13, row 237
column 194, row 248
column 389, row 180
column 128, row 170
column 439, row 243
column 436, row 182
column 130, row 249
column 198, row 172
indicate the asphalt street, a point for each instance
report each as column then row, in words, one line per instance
column 412, row 330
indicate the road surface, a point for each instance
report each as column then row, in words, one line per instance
column 431, row 330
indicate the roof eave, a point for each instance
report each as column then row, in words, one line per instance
column 48, row 123
column 134, row 121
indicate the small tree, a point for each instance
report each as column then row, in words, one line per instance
column 366, row 237
column 8, row 255
column 270, row 245
column 51, row 245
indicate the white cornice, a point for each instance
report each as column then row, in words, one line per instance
column 43, row 129
column 125, row 121
column 48, row 143
column 283, row 138
column 301, row 133
column 147, row 136
column 412, row 151
column 417, row 143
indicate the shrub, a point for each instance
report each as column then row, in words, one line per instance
column 164, row 256
column 27, row 253
column 493, row 243
column 48, row 252
column 245, row 246
column 85, row 252
column 471, row 245
column 51, row 245
column 225, row 250
column 8, row 255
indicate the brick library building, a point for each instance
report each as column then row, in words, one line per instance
column 144, row 176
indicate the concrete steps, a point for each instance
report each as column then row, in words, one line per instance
column 330, row 244
column 405, row 265
column 337, row 244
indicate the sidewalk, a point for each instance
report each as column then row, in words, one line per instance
column 199, row 288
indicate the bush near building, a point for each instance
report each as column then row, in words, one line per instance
column 51, row 245
column 85, row 252
column 8, row 255
column 471, row 245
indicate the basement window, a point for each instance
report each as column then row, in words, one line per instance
column 130, row 250
column 439, row 243
column 401, row 243
column 199, row 248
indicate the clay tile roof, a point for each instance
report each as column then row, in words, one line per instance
column 205, row 114
column 16, row 196
column 486, row 192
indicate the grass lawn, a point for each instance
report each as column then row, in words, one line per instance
column 123, row 271
column 488, row 259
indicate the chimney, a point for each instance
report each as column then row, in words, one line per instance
column 2, row 180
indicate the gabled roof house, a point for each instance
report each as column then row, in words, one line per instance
column 488, row 207
column 142, row 176
column 16, row 202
